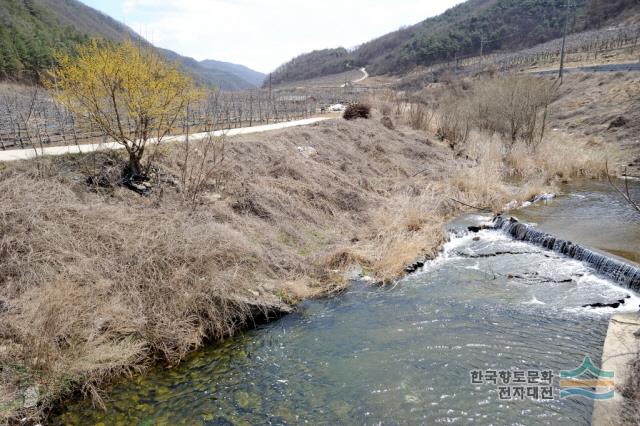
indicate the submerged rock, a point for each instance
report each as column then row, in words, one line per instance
column 614, row 305
column 242, row 399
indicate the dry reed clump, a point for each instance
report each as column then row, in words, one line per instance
column 410, row 227
column 560, row 157
column 419, row 117
column 98, row 282
column 480, row 182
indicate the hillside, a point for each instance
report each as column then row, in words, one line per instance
column 315, row 64
column 487, row 25
column 28, row 33
column 30, row 30
column 208, row 75
column 247, row 74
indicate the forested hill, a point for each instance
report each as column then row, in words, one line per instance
column 30, row 31
column 462, row 30
column 247, row 74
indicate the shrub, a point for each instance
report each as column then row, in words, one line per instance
column 419, row 117
column 357, row 110
column 514, row 107
column 454, row 124
column 129, row 93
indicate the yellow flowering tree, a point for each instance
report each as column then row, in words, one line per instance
column 128, row 92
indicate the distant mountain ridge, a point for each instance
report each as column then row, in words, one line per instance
column 30, row 30
column 490, row 25
column 254, row 77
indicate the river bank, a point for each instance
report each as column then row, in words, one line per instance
column 401, row 353
column 100, row 282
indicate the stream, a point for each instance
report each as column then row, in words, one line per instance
column 406, row 354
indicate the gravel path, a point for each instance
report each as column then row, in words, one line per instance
column 27, row 154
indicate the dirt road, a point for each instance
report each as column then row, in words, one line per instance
column 31, row 153
column 630, row 67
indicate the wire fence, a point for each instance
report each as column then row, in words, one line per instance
column 580, row 47
column 30, row 117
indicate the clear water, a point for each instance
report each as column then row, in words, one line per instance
column 591, row 213
column 396, row 355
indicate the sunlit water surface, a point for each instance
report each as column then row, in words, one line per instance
column 402, row 354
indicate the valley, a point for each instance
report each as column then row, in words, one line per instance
column 350, row 239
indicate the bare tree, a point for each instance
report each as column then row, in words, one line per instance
column 624, row 192
column 202, row 159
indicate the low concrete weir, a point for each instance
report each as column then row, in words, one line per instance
column 622, row 273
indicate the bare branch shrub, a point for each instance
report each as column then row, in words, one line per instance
column 514, row 107
column 624, row 192
column 419, row 117
column 454, row 122
column 201, row 166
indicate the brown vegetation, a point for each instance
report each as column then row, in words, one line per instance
column 589, row 103
column 99, row 281
column 357, row 110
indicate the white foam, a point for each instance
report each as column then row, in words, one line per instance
column 534, row 301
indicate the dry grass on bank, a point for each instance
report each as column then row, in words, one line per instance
column 590, row 107
column 99, row 282
column 630, row 414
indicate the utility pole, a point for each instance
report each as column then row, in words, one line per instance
column 481, row 53
column 564, row 42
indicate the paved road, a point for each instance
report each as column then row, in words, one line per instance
column 28, row 154
column 365, row 75
column 633, row 67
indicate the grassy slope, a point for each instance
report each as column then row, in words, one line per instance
column 590, row 103
column 505, row 24
column 96, row 284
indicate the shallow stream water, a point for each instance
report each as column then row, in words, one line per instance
column 405, row 354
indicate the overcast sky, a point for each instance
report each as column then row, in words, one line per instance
column 263, row 34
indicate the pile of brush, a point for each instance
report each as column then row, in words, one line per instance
column 357, row 110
